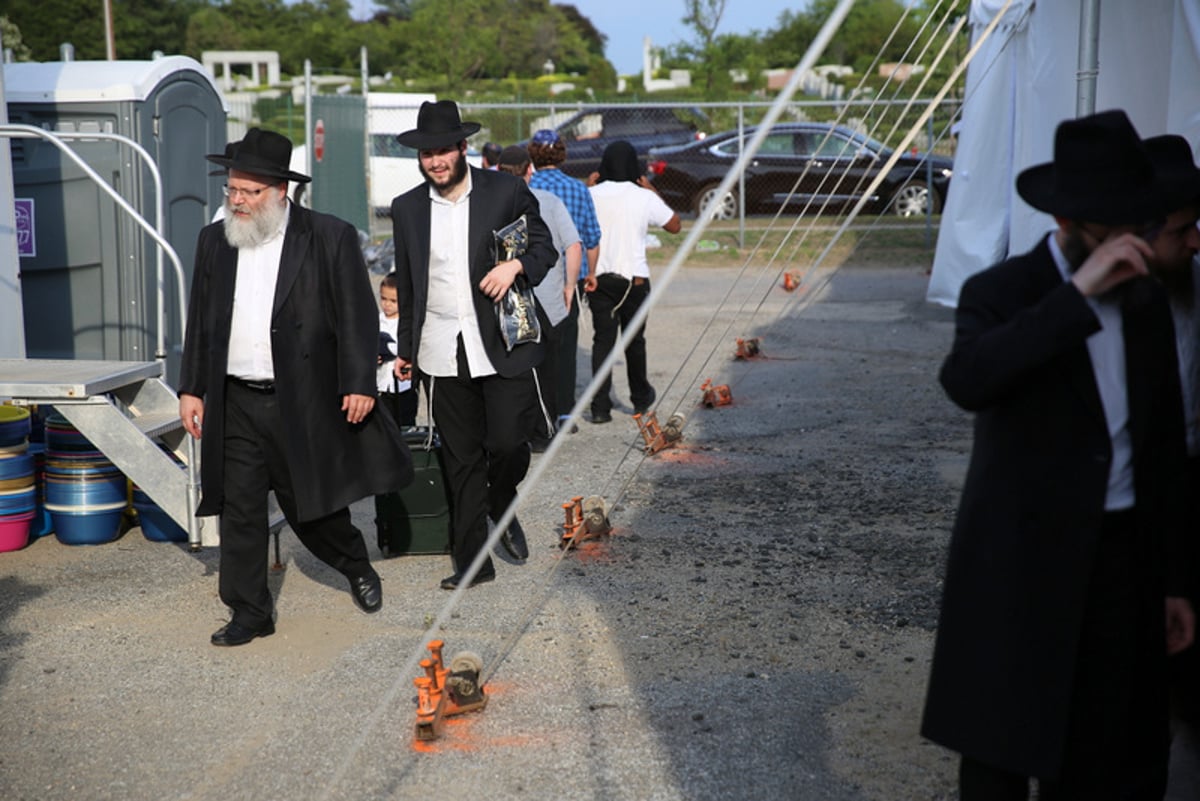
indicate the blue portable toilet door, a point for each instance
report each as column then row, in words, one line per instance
column 189, row 123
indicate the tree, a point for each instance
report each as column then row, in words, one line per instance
column 392, row 9
column 321, row 31
column 862, row 36
column 11, row 36
column 451, row 38
column 594, row 40
column 141, row 27
column 703, row 16
column 211, row 29
column 46, row 24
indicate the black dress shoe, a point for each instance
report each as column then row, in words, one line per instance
column 234, row 633
column 601, row 417
column 642, row 408
column 513, row 540
column 367, row 592
column 482, row 577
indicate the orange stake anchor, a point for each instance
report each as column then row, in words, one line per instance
column 718, row 395
column 657, row 437
column 584, row 519
column 572, row 520
column 446, row 691
column 748, row 349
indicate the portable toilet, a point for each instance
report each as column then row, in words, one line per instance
column 88, row 272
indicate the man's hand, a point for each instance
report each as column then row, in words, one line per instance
column 1181, row 625
column 590, row 283
column 500, row 278
column 357, row 407
column 191, row 412
column 1114, row 261
column 402, row 369
column 569, row 296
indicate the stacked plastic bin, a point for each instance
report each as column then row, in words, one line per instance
column 18, row 485
column 86, row 494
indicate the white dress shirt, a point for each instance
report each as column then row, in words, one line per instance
column 253, row 302
column 449, row 308
column 1106, row 348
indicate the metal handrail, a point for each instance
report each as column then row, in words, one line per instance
column 55, row 137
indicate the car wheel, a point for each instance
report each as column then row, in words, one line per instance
column 912, row 200
column 725, row 209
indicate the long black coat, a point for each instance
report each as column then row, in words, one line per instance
column 324, row 340
column 1026, row 534
column 497, row 199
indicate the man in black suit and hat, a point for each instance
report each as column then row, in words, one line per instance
column 278, row 374
column 449, row 278
column 1063, row 591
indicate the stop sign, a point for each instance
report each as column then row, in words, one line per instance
column 319, row 140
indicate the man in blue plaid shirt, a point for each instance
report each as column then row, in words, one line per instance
column 547, row 151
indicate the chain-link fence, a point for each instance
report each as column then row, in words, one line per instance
column 819, row 158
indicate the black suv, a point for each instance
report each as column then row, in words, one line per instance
column 589, row 131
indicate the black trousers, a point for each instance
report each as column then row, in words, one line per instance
column 402, row 406
column 565, row 359
column 1117, row 737
column 256, row 463
column 485, row 425
column 613, row 304
column 547, row 379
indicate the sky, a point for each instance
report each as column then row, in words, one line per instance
column 626, row 22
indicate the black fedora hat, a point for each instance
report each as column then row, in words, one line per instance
column 438, row 125
column 1101, row 173
column 230, row 149
column 1175, row 166
column 263, row 153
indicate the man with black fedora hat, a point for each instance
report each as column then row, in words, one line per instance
column 1174, row 262
column 483, row 395
column 1063, row 589
column 278, row 383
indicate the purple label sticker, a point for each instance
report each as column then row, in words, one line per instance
column 26, row 242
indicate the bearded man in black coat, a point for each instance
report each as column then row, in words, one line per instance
column 1052, row 646
column 449, row 276
column 278, row 374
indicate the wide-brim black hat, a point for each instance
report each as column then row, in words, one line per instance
column 438, row 125
column 263, row 153
column 1175, row 165
column 1101, row 173
column 230, row 149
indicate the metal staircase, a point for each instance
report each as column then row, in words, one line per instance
column 129, row 413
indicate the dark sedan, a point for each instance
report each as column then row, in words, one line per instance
column 803, row 166
column 587, row 133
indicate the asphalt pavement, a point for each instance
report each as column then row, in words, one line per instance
column 757, row 626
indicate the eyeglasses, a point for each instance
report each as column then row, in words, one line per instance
column 249, row 194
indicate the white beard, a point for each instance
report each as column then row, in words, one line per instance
column 252, row 231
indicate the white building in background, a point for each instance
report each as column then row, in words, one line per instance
column 230, row 58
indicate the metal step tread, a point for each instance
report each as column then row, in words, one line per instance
column 154, row 424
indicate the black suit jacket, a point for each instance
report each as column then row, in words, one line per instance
column 496, row 200
column 1022, row 548
column 324, row 340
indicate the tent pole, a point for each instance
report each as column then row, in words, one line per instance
column 1089, row 57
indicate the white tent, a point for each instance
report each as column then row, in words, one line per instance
column 1023, row 82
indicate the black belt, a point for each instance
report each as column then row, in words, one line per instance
column 265, row 387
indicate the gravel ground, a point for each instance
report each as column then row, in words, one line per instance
column 758, row 626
